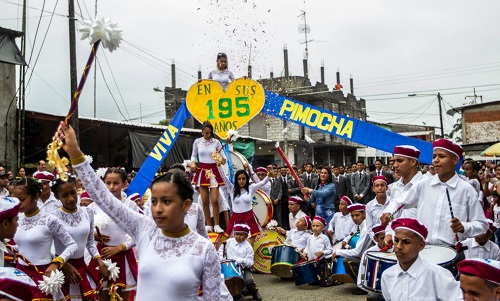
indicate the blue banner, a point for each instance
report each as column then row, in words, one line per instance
column 146, row 173
column 291, row 110
column 342, row 126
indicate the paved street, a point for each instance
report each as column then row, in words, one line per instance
column 273, row 288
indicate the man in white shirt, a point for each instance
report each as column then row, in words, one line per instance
column 446, row 205
column 479, row 279
column 413, row 278
column 3, row 184
column 47, row 201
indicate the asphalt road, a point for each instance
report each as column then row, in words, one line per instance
column 273, row 288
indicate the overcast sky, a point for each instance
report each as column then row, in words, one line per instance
column 392, row 49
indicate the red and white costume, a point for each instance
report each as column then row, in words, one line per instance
column 203, row 150
column 34, row 238
column 126, row 260
column 242, row 206
column 172, row 266
column 80, row 225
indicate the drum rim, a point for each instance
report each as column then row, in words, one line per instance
column 305, row 263
column 386, row 259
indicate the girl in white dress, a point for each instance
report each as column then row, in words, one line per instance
column 222, row 75
column 35, row 235
column 174, row 260
column 114, row 243
column 207, row 177
column 79, row 222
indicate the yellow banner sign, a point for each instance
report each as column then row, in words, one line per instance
column 229, row 110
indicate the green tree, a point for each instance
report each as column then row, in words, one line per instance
column 456, row 132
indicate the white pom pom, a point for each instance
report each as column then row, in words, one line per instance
column 102, row 29
column 101, row 171
column 89, row 158
column 272, row 225
column 114, row 271
column 101, row 221
column 50, row 285
column 233, row 135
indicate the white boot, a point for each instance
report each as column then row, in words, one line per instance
column 209, row 229
column 218, row 229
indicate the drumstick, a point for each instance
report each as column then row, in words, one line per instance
column 292, row 171
column 397, row 210
column 384, row 249
column 458, row 245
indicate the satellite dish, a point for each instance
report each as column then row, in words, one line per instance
column 303, row 28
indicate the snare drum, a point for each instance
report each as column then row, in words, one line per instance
column 305, row 272
column 237, row 160
column 283, row 257
column 264, row 243
column 233, row 276
column 354, row 240
column 262, row 207
column 377, row 262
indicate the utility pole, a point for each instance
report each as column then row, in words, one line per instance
column 22, row 77
column 72, row 62
column 475, row 96
column 440, row 115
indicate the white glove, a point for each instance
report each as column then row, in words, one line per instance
column 240, row 261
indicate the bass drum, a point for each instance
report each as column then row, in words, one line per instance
column 237, row 160
column 263, row 246
column 262, row 207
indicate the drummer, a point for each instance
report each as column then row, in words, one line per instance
column 257, row 175
column 239, row 249
column 319, row 248
column 412, row 277
column 378, row 238
column 341, row 224
column 480, row 279
column 481, row 246
column 295, row 214
column 298, row 237
column 352, row 257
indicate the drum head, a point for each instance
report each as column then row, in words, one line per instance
column 238, row 161
column 262, row 207
column 264, row 242
column 438, row 255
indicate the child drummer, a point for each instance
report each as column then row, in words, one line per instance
column 239, row 249
column 352, row 257
column 378, row 238
column 341, row 224
column 299, row 236
column 412, row 277
column 481, row 246
column 318, row 248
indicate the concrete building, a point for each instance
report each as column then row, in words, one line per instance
column 480, row 126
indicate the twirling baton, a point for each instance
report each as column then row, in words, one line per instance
column 292, row 172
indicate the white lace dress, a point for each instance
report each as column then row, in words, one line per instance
column 170, row 268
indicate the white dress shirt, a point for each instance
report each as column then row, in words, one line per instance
column 490, row 250
column 364, row 242
column 50, row 205
column 294, row 219
column 241, row 252
column 297, row 238
column 430, row 198
column 422, row 281
column 3, row 249
column 316, row 244
column 397, row 189
column 340, row 225
column 373, row 212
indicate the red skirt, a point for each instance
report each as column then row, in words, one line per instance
column 248, row 218
column 38, row 295
column 200, row 178
column 85, row 288
column 119, row 258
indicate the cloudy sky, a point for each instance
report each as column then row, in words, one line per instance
column 392, row 48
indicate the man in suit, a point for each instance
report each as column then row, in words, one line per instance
column 275, row 194
column 342, row 186
column 380, row 172
column 283, row 179
column 360, row 183
column 307, row 178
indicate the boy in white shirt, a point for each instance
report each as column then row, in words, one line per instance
column 319, row 248
column 294, row 203
column 341, row 224
column 413, row 278
column 299, row 236
column 480, row 279
column 481, row 246
column 240, row 250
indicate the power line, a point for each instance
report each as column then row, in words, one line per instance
column 116, row 84
column 111, row 93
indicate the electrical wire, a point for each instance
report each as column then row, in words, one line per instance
column 111, row 93
column 116, row 84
